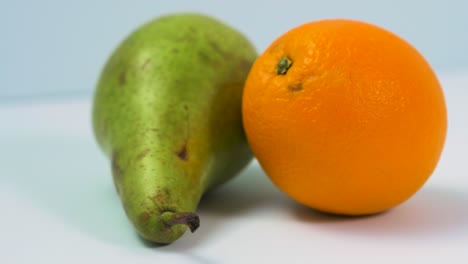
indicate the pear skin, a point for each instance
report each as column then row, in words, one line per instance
column 167, row 113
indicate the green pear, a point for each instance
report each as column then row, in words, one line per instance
column 167, row 113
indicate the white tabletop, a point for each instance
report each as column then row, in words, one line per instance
column 58, row 204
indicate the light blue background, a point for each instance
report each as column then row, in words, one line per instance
column 57, row 48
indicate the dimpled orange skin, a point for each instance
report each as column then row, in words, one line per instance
column 357, row 123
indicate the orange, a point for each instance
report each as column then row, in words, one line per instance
column 344, row 116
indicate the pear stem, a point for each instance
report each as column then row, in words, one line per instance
column 185, row 218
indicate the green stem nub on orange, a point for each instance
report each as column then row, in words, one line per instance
column 283, row 65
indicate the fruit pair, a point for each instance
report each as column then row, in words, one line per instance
column 343, row 116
